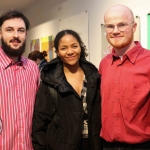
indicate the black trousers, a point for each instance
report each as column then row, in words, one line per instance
column 122, row 148
column 84, row 144
column 125, row 146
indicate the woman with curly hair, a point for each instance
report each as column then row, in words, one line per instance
column 67, row 109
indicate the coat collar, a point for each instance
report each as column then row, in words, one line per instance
column 53, row 74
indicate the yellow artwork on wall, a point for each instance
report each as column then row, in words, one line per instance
column 47, row 45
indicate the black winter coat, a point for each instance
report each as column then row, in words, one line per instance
column 57, row 124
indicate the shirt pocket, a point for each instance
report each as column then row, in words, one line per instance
column 135, row 93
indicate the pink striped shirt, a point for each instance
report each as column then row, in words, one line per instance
column 18, row 86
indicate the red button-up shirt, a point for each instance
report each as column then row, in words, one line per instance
column 125, row 91
column 18, row 86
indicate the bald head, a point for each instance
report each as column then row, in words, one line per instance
column 119, row 10
column 120, row 28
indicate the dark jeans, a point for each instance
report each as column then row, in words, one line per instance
column 125, row 146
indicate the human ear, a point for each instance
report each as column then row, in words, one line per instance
column 134, row 26
column 57, row 53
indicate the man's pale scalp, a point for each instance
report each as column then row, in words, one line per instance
column 121, row 9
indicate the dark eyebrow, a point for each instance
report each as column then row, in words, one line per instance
column 75, row 43
column 109, row 24
column 62, row 45
column 9, row 27
column 13, row 27
column 22, row 28
column 122, row 22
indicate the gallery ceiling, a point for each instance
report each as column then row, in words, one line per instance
column 15, row 4
column 24, row 4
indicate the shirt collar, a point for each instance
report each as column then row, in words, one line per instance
column 131, row 54
column 6, row 62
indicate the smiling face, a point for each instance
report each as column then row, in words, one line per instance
column 69, row 50
column 120, row 15
column 13, row 35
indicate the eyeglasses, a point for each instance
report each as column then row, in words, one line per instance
column 121, row 27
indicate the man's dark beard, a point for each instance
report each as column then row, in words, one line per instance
column 13, row 52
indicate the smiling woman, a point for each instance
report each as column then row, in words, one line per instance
column 70, row 119
column 69, row 50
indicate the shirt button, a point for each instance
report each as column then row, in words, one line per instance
column 116, row 82
column 21, row 143
column 117, row 100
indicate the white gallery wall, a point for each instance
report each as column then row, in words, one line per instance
column 44, row 16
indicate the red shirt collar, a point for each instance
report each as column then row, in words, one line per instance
column 131, row 54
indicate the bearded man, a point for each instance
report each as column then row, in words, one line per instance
column 19, row 78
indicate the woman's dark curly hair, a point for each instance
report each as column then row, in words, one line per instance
column 73, row 33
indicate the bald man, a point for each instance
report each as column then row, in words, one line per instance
column 125, row 85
